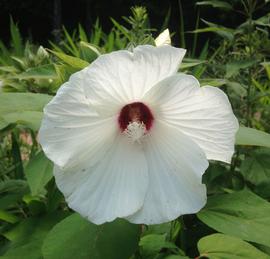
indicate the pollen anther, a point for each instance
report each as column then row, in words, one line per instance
column 135, row 131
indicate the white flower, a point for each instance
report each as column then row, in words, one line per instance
column 163, row 38
column 130, row 137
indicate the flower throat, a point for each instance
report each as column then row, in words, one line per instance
column 135, row 120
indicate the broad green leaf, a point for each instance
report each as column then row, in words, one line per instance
column 152, row 244
column 42, row 72
column 38, row 173
column 241, row 214
column 234, row 67
column 23, row 108
column 252, row 137
column 70, row 60
column 158, row 229
column 30, row 119
column 216, row 4
column 27, row 237
column 3, row 123
column 13, row 102
column 256, row 167
column 219, row 246
column 75, row 237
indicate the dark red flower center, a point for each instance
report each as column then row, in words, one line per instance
column 135, row 112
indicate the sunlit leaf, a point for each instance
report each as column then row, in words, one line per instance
column 70, row 60
column 226, row 247
column 23, row 108
column 241, row 214
column 252, row 137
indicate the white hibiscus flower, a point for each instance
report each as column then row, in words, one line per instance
column 130, row 137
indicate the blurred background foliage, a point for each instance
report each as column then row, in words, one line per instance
column 228, row 46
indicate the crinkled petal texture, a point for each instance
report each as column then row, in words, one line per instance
column 121, row 77
column 202, row 113
column 175, row 167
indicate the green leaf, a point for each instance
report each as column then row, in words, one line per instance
column 3, row 123
column 30, row 119
column 16, row 39
column 27, row 237
column 237, row 88
column 23, row 108
column 256, row 167
column 8, row 217
column 216, row 4
column 219, row 246
column 234, row 67
column 241, row 214
column 217, row 82
column 185, row 65
column 9, row 200
column 13, row 102
column 76, row 237
column 38, row 173
column 14, row 186
column 41, row 72
column 252, row 137
column 153, row 243
column 176, row 257
column 70, row 60
column 222, row 31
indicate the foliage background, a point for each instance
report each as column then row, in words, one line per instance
column 228, row 47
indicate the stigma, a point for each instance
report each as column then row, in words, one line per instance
column 135, row 120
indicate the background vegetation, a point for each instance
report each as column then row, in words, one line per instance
column 35, row 220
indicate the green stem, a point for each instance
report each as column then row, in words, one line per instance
column 182, row 27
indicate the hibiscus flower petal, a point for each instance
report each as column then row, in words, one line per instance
column 202, row 113
column 115, row 187
column 120, row 77
column 71, row 130
column 175, row 167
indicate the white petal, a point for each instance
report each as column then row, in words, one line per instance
column 204, row 114
column 163, row 38
column 115, row 187
column 121, row 77
column 175, row 167
column 71, row 131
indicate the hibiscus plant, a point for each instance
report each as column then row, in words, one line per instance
column 122, row 145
